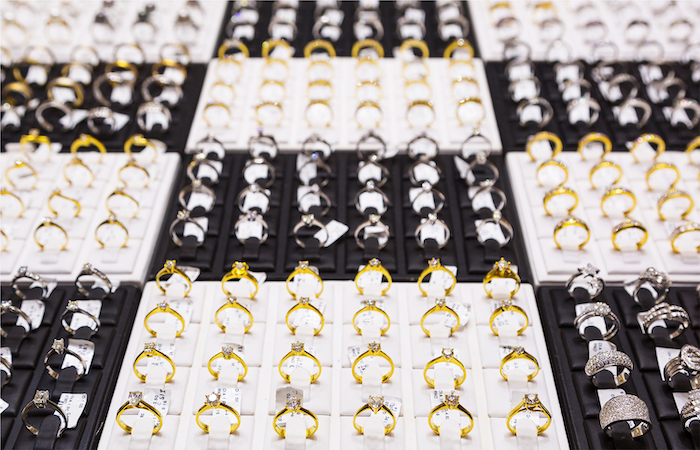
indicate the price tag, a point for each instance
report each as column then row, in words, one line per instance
column 508, row 319
column 81, row 320
column 158, row 398
column 35, row 310
column 231, row 397
column 84, row 349
column 369, row 278
column 663, row 356
column 3, row 405
column 200, row 199
column 167, row 349
column 220, row 363
column 354, row 352
column 595, row 347
column 491, row 231
column 580, row 113
column 604, row 395
column 442, row 279
column 6, row 354
column 504, row 350
column 72, row 406
column 183, row 307
column 463, row 312
column 256, row 200
column 434, row 231
column 394, row 404
column 335, row 231
column 370, row 318
column 300, row 362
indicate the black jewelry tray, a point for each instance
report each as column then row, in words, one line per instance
column 279, row 255
column 568, row 353
column 343, row 47
column 29, row 375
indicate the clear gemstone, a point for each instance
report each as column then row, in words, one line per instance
column 135, row 397
column 303, row 264
column 531, row 399
column 227, row 351
column 182, row 214
column 497, row 215
column 297, row 346
column 149, row 346
column 371, row 303
column 375, row 402
column 440, row 302
column 502, row 265
column 212, row 399
column 432, row 217
column 374, row 218
column 589, row 270
column 169, row 264
column 507, row 303
column 6, row 304
column 163, row 305
column 58, row 346
column 434, row 262
column 72, row 305
column 231, row 299
column 518, row 350
column 452, row 399
column 426, row 186
column 374, row 347
column 22, row 271
column 240, row 265
column 87, row 267
column 293, row 403
column 694, row 395
column 304, row 300
column 370, row 184
column 41, row 398
column 448, row 353
column 307, row 219
column 690, row 355
column 374, row 262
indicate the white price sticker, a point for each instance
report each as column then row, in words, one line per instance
column 93, row 307
column 159, row 399
column 72, row 406
column 35, row 310
column 84, row 349
column 663, row 356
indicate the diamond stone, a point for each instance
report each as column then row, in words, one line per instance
column 502, row 265
column 297, row 346
column 374, row 347
column 375, row 403
column 507, row 303
column 22, row 271
column 182, row 215
column 41, row 398
column 163, row 305
column 371, row 303
column 426, row 186
column 149, row 346
column 231, row 299
column 694, row 395
column 6, row 304
column 72, row 305
column 452, row 399
column 374, row 262
column 58, row 346
column 531, row 399
column 307, row 219
column 497, row 215
column 87, row 267
column 374, row 218
column 240, row 265
column 623, row 408
column 170, row 264
column 293, row 403
column 212, row 399
column 434, row 262
column 589, row 270
column 370, row 184
column 304, row 300
column 448, row 353
column 690, row 355
column 607, row 359
column 518, row 350
column 227, row 351
column 440, row 302
column 303, row 265
column 135, row 397
column 432, row 217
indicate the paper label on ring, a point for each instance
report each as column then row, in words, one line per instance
column 248, row 229
column 6, row 354
column 3, row 405
column 81, row 320
column 307, row 172
column 219, row 363
column 600, row 346
column 434, row 231
column 354, row 352
column 370, row 318
column 680, row 115
column 491, row 231
column 508, row 319
column 281, row 396
column 35, row 310
column 72, row 406
column 184, row 307
column 394, row 405
column 595, row 321
column 663, row 356
column 231, row 397
column 441, row 278
column 173, row 74
column 309, row 317
column 83, row 348
column 680, row 399
column 626, row 116
column 580, row 113
column 158, row 398
column 371, row 278
column 256, row 172
column 605, row 395
column 335, row 231
column 437, row 396
column 166, row 348
column 371, row 200
column 300, row 362
column 199, row 199
column 463, row 312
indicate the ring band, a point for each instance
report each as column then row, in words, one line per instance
column 227, row 353
column 212, row 402
column 150, row 351
column 112, row 221
column 374, row 265
column 618, row 191
column 544, row 136
column 304, row 304
column 663, row 166
column 629, row 409
column 371, row 306
column 42, row 402
column 293, row 406
column 440, row 306
column 598, row 309
column 629, row 224
column 46, row 223
column 529, row 403
column 434, row 265
column 232, row 303
column 374, row 350
column 164, row 308
column 571, row 222
column 239, row 271
column 562, row 190
column 446, row 357
column 671, row 194
column 501, row 270
column 374, row 404
column 298, row 351
column 304, row 268
column 648, row 138
column 71, row 309
column 135, row 401
column 686, row 227
column 516, row 354
column 508, row 306
column 594, row 137
column 602, row 165
column 59, row 348
column 451, row 402
column 612, row 359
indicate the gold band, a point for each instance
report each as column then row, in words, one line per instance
column 4, row 191
column 120, row 192
column 303, row 268
column 57, row 194
column 417, row 44
column 571, row 222
column 649, row 138
column 451, row 402
column 440, row 306
column 239, row 271
column 132, row 164
column 461, row 44
column 86, row 140
column 663, row 166
column 562, row 190
column 170, row 268
column 65, row 82
column 447, row 357
column 232, row 44
column 75, row 161
column 552, row 163
column 374, row 265
column 529, row 403
column 33, row 138
column 304, row 304
column 690, row 149
column 319, row 43
column 601, row 165
column 367, row 43
column 298, row 351
column 140, row 141
column 671, row 194
column 594, row 137
column 371, row 306
column 375, row 404
column 435, row 265
column 374, row 350
column 501, row 270
column 232, row 303
column 213, row 401
column 49, row 223
column 164, row 308
column 610, row 193
column 293, row 406
column 544, row 136
column 135, row 402
column 18, row 165
column 628, row 225
column 227, row 353
column 270, row 44
column 508, row 306
column 112, row 221
column 149, row 351
column 519, row 353
column 155, row 69
column 124, row 65
column 264, row 104
column 682, row 229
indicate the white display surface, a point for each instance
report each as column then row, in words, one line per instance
column 336, row 396
column 80, row 16
column 344, row 132
column 553, row 265
column 130, row 263
column 573, row 26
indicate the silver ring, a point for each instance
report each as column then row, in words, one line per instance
column 687, row 363
column 316, row 190
column 641, row 104
column 371, row 187
column 51, row 104
column 6, row 367
column 374, row 220
column 163, row 82
column 511, row 87
column 663, row 84
column 377, row 155
column 210, row 144
column 561, row 65
column 686, row 104
column 372, row 22
column 71, row 309
column 499, row 221
column 557, row 44
column 114, row 79
column 252, row 189
column 511, row 37
column 320, row 24
column 609, row 360
column 377, row 183
column 691, row 410
column 676, row 23
column 196, row 186
column 637, row 22
column 461, row 21
column 6, row 306
column 592, row 282
column 601, row 44
column 184, row 216
column 262, row 144
column 668, row 313
column 258, row 161
column 413, row 153
column 431, row 221
column 598, row 309
column 519, row 62
column 59, row 348
column 314, row 153
column 476, row 134
column 152, row 107
column 650, row 43
column 512, row 46
column 427, row 189
column 490, row 190
column 548, row 23
column 308, row 221
column 593, row 105
column 42, row 402
column 89, row 270
column 319, row 165
column 625, row 408
column 543, row 103
column 423, row 162
column 621, row 78
column 405, row 21
column 23, row 272
column 482, row 161
column 581, row 83
column 200, row 159
column 252, row 216
column 101, row 112
column 658, row 280
column 276, row 21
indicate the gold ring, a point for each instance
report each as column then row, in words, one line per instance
column 451, row 402
column 366, row 43
column 529, row 403
column 319, row 63
column 19, row 164
column 328, row 120
column 75, row 161
column 374, row 265
column 561, row 190
column 649, row 138
column 552, row 163
column 227, row 354
column 218, row 85
column 140, row 141
column 304, row 304
column 319, row 43
column 264, row 104
column 671, row 194
column 601, row 165
column 293, row 406
column 4, row 191
column 33, row 138
column 57, row 194
column 418, row 103
column 297, row 352
column 610, row 193
column 501, row 270
column 466, row 100
column 215, row 104
column 112, row 221
column 213, row 401
column 232, row 44
column 65, row 82
column 435, row 265
column 424, row 83
column 374, row 404
column 446, row 357
column 571, row 222
column 132, row 164
column 164, row 308
column 594, row 137
column 417, row 44
column 49, row 223
column 232, row 303
column 508, row 306
column 682, row 229
column 316, row 83
column 170, row 268
column 86, row 140
column 374, row 350
column 461, row 44
column 663, row 166
column 692, row 146
column 123, row 64
column 544, row 136
column 362, row 78
column 362, row 84
column 520, row 353
column 135, row 401
column 303, row 268
column 273, row 83
column 150, row 351
column 371, row 306
column 239, row 271
column 629, row 224
column 370, row 104
column 119, row 192
column 269, row 44
column 440, row 306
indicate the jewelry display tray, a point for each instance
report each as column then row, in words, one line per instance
column 174, row 138
column 129, row 264
column 335, row 396
column 343, row 47
column 568, row 353
column 279, row 255
column 551, row 264
column 29, row 373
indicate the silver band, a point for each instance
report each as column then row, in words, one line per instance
column 667, row 312
column 691, row 410
column 314, row 153
column 625, row 408
column 658, row 280
column 41, row 401
column 620, row 79
column 489, row 190
column 512, row 84
column 24, row 273
column 101, row 112
column 7, row 307
column 372, row 155
column 71, row 309
column 6, row 367
column 210, row 144
column 370, row 187
column 149, row 108
column 593, row 105
column 541, row 102
column 499, row 221
column 308, row 221
column 252, row 189
column 89, row 270
column 687, row 363
column 114, row 79
column 431, row 221
column 252, row 216
column 377, row 183
column 316, row 190
column 51, row 104
column 59, row 348
column 637, row 103
column 374, row 220
column 608, row 360
column 184, row 216
column 481, row 160
column 593, row 283
column 598, row 309
column 427, row 189
column 686, row 104
column 257, row 161
column 196, row 186
column 411, row 148
column 319, row 165
column 164, row 82
column 198, row 160
column 419, row 162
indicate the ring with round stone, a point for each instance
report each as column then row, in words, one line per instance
column 435, row 265
column 374, row 265
column 250, row 218
column 657, row 280
column 686, row 363
column 530, row 403
column 374, row 350
column 303, row 268
column 71, row 310
column 212, row 402
column 598, row 309
column 497, row 220
column 446, row 358
column 170, row 268
column 164, row 308
column 293, row 406
column 87, row 271
column 232, row 303
column 7, row 307
column 42, row 401
column 671, row 314
column 589, row 275
column 431, row 221
column 301, row 308
column 198, row 187
column 227, row 353
column 297, row 354
column 450, row 402
column 427, row 189
column 23, row 272
column 375, row 405
column 150, row 351
column 691, row 409
column 507, row 306
column 440, row 307
column 519, row 353
column 308, row 221
column 374, row 221
column 614, row 360
column 371, row 307
column 59, row 348
column 135, row 401
column 501, row 270
column 628, row 409
column 239, row 271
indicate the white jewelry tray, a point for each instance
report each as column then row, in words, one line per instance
column 573, row 36
column 553, row 265
column 124, row 264
column 164, row 17
column 335, row 396
column 344, row 132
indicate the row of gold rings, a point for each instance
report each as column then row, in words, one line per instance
column 322, row 83
column 368, row 53
column 47, row 223
column 303, row 268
